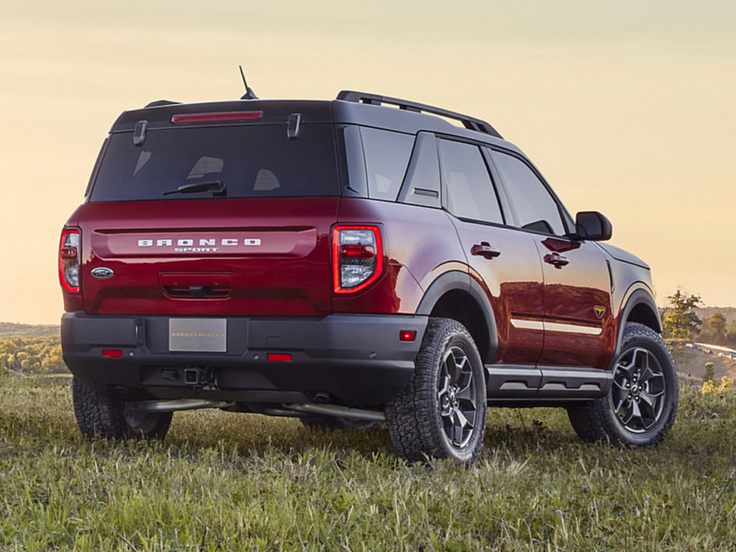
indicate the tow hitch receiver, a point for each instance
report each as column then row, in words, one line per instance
column 200, row 377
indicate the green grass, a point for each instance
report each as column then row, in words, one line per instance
column 225, row 481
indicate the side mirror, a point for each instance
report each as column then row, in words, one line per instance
column 592, row 225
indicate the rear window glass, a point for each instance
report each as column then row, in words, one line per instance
column 386, row 157
column 250, row 161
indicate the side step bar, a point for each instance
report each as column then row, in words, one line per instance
column 541, row 383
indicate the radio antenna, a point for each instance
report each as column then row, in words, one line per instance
column 249, row 94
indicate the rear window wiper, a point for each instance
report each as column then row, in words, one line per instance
column 215, row 186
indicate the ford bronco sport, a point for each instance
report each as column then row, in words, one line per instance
column 348, row 262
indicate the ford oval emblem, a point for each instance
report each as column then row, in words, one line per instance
column 102, row 273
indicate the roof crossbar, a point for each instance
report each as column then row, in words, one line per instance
column 467, row 121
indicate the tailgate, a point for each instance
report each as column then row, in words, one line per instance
column 230, row 257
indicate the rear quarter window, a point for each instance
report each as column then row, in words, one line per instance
column 386, row 158
column 251, row 161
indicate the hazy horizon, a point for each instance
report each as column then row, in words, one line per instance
column 627, row 108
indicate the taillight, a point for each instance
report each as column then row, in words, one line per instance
column 69, row 255
column 357, row 257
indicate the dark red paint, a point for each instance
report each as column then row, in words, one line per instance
column 292, row 272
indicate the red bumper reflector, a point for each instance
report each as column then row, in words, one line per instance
column 112, row 353
column 222, row 117
column 278, row 357
column 407, row 335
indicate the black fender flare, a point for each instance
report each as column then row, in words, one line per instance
column 457, row 280
column 638, row 297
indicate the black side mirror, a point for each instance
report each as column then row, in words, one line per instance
column 592, row 225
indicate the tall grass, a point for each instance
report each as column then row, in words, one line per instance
column 225, row 481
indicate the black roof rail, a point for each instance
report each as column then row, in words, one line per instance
column 159, row 103
column 468, row 122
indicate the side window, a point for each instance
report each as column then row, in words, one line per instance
column 535, row 207
column 470, row 192
column 386, row 157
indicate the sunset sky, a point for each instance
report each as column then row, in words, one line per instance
column 627, row 107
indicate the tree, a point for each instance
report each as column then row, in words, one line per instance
column 680, row 320
column 714, row 328
column 731, row 333
column 709, row 373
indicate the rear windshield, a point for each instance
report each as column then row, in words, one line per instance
column 250, row 161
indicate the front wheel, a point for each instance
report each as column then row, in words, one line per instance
column 641, row 406
column 442, row 413
column 102, row 415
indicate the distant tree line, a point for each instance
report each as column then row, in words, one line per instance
column 681, row 321
column 40, row 355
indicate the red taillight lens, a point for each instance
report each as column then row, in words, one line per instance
column 223, row 117
column 357, row 257
column 69, row 255
column 112, row 353
column 407, row 335
column 357, row 251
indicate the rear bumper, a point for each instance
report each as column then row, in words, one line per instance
column 356, row 360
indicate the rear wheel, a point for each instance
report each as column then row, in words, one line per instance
column 641, row 406
column 101, row 415
column 442, row 413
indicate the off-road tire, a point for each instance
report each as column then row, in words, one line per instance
column 413, row 417
column 597, row 421
column 106, row 416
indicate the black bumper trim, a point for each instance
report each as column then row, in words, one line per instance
column 357, row 359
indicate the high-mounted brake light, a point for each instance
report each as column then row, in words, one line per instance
column 69, row 256
column 221, row 117
column 357, row 257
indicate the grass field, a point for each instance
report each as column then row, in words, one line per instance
column 225, row 481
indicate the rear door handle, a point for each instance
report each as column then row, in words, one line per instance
column 556, row 260
column 484, row 249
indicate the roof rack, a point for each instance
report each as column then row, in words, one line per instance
column 159, row 103
column 468, row 122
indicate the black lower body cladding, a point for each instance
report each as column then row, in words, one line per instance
column 356, row 360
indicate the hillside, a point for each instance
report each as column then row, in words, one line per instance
column 11, row 329
column 706, row 312
column 691, row 362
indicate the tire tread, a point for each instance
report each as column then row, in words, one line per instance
column 594, row 422
column 101, row 415
column 409, row 414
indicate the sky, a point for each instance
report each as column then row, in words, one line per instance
column 627, row 107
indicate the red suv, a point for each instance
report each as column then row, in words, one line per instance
column 348, row 262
